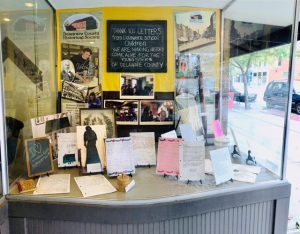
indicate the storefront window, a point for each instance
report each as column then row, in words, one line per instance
column 144, row 98
column 28, row 50
column 257, row 115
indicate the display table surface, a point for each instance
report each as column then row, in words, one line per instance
column 149, row 187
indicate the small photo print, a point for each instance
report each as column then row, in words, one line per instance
column 137, row 86
column 99, row 117
column 126, row 111
column 157, row 112
column 74, row 91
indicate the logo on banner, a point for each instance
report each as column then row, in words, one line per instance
column 80, row 22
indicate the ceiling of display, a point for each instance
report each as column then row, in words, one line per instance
column 64, row 4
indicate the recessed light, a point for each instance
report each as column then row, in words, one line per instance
column 6, row 19
column 28, row 4
column 92, row 42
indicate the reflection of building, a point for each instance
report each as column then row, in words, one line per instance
column 262, row 73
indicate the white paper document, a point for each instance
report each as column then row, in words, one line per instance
column 246, row 168
column 191, row 163
column 187, row 132
column 119, row 156
column 208, row 167
column 244, row 176
column 67, row 150
column 222, row 165
column 143, row 148
column 171, row 134
column 53, row 184
column 93, row 185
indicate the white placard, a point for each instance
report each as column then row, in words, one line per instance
column 222, row 165
column 187, row 132
column 143, row 148
column 94, row 185
column 191, row 162
column 67, row 150
column 119, row 156
column 171, row 134
column 53, row 184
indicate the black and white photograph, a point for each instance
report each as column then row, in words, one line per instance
column 99, row 117
column 75, row 92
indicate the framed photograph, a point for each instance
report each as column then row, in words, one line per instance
column 126, row 111
column 38, row 156
column 157, row 112
column 100, row 117
column 137, row 86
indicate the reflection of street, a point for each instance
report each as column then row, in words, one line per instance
column 261, row 130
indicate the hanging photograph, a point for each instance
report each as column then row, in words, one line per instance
column 74, row 91
column 90, row 145
column 137, row 86
column 195, row 29
column 81, row 47
column 157, row 112
column 126, row 111
column 99, row 117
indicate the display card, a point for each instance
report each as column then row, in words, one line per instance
column 222, row 165
column 192, row 164
column 119, row 156
column 143, row 148
column 168, row 156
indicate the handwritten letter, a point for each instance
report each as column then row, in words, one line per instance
column 192, row 165
column 143, row 148
column 119, row 156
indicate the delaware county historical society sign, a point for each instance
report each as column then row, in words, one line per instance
column 136, row 46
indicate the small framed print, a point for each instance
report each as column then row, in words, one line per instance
column 137, row 86
column 99, row 117
column 126, row 111
column 157, row 112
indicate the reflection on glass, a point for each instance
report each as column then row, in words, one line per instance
column 256, row 62
column 29, row 78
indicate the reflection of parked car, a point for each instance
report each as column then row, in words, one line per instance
column 276, row 94
column 239, row 93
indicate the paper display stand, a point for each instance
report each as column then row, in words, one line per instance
column 38, row 156
column 168, row 156
column 119, row 156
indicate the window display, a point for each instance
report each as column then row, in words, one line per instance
column 137, row 99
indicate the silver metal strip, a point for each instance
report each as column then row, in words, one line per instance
column 292, row 64
column 3, row 145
